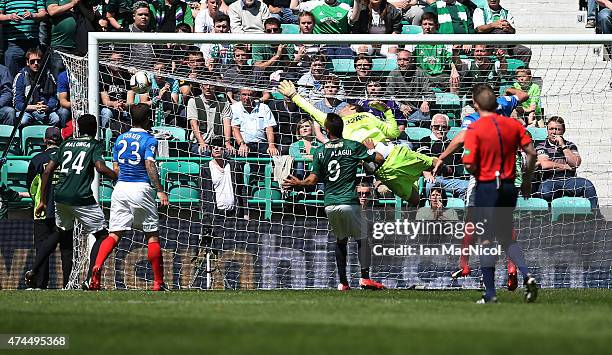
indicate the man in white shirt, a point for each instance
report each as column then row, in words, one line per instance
column 204, row 20
column 248, row 16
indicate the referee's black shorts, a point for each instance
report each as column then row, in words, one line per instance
column 495, row 208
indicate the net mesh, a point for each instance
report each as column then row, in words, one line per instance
column 244, row 231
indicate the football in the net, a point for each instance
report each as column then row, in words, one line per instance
column 140, row 82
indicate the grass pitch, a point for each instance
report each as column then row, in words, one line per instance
column 313, row 322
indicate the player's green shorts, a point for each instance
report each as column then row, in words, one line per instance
column 402, row 169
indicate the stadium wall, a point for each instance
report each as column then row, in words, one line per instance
column 298, row 254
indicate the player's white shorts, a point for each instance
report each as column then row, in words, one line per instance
column 91, row 217
column 133, row 206
column 470, row 194
column 346, row 221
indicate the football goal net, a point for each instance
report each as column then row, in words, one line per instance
column 227, row 138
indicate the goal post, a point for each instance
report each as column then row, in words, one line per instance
column 284, row 240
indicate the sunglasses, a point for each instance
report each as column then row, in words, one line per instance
column 34, row 61
column 440, row 127
column 360, row 193
column 273, row 30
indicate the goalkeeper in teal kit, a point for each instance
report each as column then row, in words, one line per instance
column 402, row 167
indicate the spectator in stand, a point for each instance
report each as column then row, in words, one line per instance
column 436, row 211
column 219, row 56
column 287, row 115
column 63, row 31
column 63, row 95
column 332, row 88
column 222, row 189
column 453, row 16
column 114, row 82
column 205, row 21
column 280, row 9
column 559, row 159
column 408, row 85
column 269, row 59
column 530, row 111
column 438, row 61
column 141, row 53
column 375, row 92
column 167, row 14
column 248, row 16
column 209, row 118
column 7, row 112
column 355, row 88
column 482, row 70
column 591, row 14
column 20, row 21
column 410, row 9
column 43, row 104
column 195, row 6
column 453, row 179
column 253, row 129
column 310, row 85
column 119, row 14
column 305, row 52
column 495, row 19
column 331, row 17
column 303, row 148
column 380, row 17
column 604, row 16
column 239, row 75
column 162, row 96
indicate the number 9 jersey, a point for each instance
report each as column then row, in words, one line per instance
column 131, row 150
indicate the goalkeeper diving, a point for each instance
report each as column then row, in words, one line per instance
column 402, row 167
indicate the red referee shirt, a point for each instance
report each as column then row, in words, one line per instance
column 483, row 145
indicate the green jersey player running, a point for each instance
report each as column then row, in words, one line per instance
column 336, row 164
column 401, row 168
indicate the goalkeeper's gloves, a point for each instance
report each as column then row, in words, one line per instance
column 378, row 105
column 287, row 88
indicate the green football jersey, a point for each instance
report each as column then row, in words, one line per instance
column 76, row 158
column 433, row 59
column 335, row 163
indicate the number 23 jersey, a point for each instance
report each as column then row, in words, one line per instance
column 76, row 158
column 131, row 150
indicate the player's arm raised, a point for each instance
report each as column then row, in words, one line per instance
column 454, row 146
column 154, row 177
column 520, row 94
column 389, row 126
column 42, row 204
column 287, row 88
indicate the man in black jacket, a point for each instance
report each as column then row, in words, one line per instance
column 46, row 234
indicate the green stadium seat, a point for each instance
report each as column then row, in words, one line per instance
column 182, row 194
column 108, row 134
column 5, row 134
column 453, row 132
column 177, row 133
column 105, row 192
column 179, row 174
column 531, row 204
column 570, row 206
column 514, row 64
column 538, row 134
column 447, row 99
column 411, row 30
column 417, row 133
column 15, row 173
column 480, row 3
column 343, row 65
column 384, row 64
column 33, row 139
column 290, row 29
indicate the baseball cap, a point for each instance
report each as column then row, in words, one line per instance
column 54, row 134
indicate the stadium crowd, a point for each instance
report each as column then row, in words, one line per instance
column 244, row 113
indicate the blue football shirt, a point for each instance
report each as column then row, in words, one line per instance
column 131, row 150
column 505, row 106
